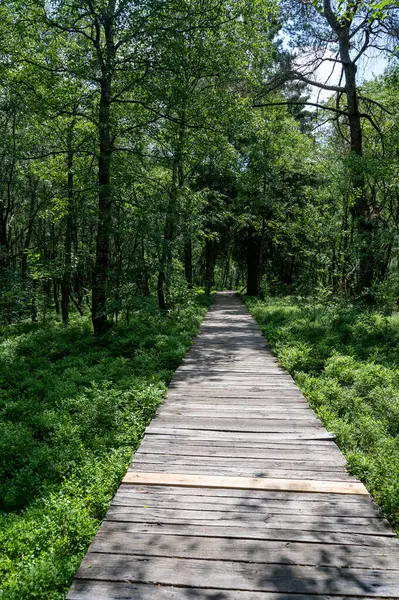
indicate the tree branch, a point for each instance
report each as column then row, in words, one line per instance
column 302, row 103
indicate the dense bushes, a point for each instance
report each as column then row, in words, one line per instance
column 72, row 411
column 345, row 360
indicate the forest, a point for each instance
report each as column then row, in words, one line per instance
column 155, row 152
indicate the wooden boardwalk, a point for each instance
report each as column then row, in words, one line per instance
column 235, row 418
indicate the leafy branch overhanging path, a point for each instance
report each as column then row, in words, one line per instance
column 233, row 416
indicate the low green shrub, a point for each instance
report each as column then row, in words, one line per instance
column 345, row 360
column 72, row 412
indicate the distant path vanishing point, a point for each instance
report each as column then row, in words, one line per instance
column 238, row 492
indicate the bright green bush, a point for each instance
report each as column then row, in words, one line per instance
column 345, row 360
column 72, row 412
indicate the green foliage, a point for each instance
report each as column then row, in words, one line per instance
column 345, row 359
column 72, row 411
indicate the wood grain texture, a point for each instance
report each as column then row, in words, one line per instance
column 238, row 492
column 114, row 590
column 245, row 483
column 241, row 576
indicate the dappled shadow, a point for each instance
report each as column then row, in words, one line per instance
column 178, row 543
column 245, row 553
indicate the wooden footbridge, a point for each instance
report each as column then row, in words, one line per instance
column 238, row 492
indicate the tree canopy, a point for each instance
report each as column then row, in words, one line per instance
column 154, row 147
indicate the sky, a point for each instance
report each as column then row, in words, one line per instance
column 369, row 67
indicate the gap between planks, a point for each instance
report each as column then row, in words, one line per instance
column 245, row 483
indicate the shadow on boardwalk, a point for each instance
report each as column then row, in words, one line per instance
column 219, row 418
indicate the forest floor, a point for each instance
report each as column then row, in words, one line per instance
column 72, row 412
column 345, row 360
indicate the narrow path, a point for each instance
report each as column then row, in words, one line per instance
column 231, row 440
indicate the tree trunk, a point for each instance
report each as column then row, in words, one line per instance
column 253, row 260
column 66, row 278
column 166, row 254
column 211, row 249
column 100, row 274
column 171, row 216
column 106, row 58
column 56, row 297
column 188, row 262
column 361, row 208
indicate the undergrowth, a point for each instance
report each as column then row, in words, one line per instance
column 72, row 412
column 345, row 360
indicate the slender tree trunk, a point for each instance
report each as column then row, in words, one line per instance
column 171, row 216
column 33, row 302
column 211, row 251
column 7, row 206
column 253, row 260
column 100, row 274
column 188, row 261
column 118, row 267
column 166, row 253
column 56, row 297
column 69, row 223
column 144, row 281
column 361, row 208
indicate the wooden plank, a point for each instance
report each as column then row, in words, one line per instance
column 266, row 371
column 229, row 505
column 210, row 378
column 296, row 406
column 222, row 461
column 254, row 533
column 247, row 404
column 269, row 393
column 304, row 522
column 85, row 589
column 245, row 483
column 241, row 550
column 243, row 424
column 302, row 453
column 305, row 416
column 240, row 576
column 243, row 495
column 247, row 387
column 241, row 471
column 263, row 400
column 235, row 436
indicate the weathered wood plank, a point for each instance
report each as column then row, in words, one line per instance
column 254, row 441
column 240, row 399
column 301, row 453
column 254, row 533
column 242, row 471
column 224, row 506
column 244, row 495
column 240, row 392
column 240, row 576
column 221, row 461
column 242, row 550
column 304, row 522
column 115, row 590
column 304, row 416
column 192, row 405
column 243, row 424
column 235, row 436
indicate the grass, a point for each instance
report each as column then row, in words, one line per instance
column 345, row 360
column 72, row 412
